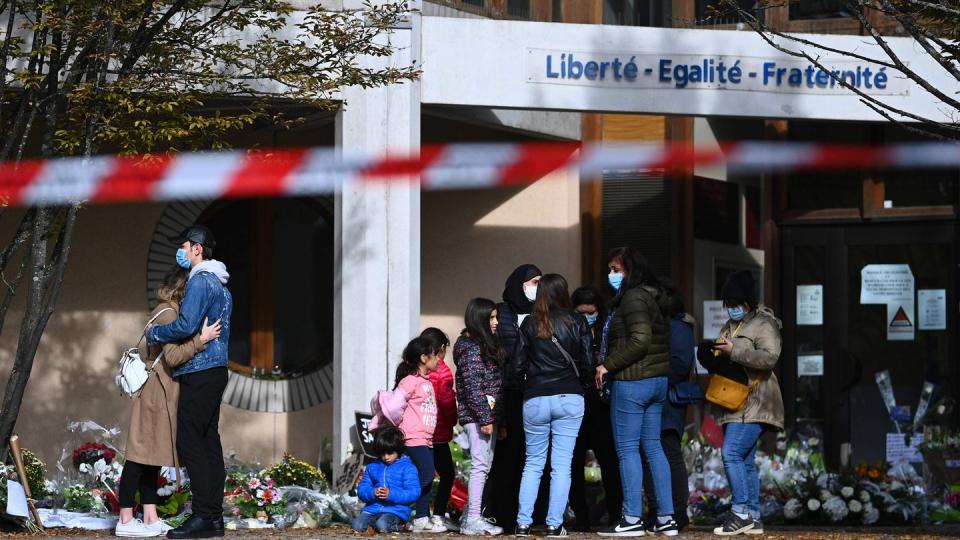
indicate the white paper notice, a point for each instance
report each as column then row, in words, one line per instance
column 809, row 305
column 898, row 452
column 892, row 285
column 714, row 318
column 932, row 314
column 16, row 500
column 810, row 365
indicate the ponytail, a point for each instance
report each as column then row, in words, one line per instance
column 410, row 361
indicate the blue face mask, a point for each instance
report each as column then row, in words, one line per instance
column 591, row 319
column 616, row 280
column 182, row 259
column 735, row 313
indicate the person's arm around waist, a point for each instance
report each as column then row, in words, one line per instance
column 195, row 304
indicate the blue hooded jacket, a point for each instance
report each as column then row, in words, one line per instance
column 674, row 417
column 400, row 477
column 206, row 297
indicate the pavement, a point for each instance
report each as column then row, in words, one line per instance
column 772, row 533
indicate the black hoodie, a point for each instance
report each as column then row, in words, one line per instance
column 514, row 303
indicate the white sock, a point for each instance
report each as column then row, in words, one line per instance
column 663, row 520
column 742, row 516
column 631, row 520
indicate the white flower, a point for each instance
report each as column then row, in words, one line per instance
column 855, row 506
column 864, row 497
column 836, row 509
column 825, row 495
column 895, row 485
column 84, row 468
column 847, row 492
column 792, row 509
column 813, row 505
column 870, row 515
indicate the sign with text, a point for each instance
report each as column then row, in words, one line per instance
column 714, row 318
column 363, row 432
column 810, row 305
column 932, row 314
column 893, row 286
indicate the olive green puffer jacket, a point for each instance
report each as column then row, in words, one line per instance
column 638, row 342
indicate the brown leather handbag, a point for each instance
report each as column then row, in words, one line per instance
column 729, row 394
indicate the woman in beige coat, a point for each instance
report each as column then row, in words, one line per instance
column 153, row 424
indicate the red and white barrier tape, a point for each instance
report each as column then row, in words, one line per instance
column 454, row 166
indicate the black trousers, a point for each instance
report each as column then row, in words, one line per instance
column 670, row 440
column 137, row 476
column 198, row 438
column 596, row 433
column 443, row 463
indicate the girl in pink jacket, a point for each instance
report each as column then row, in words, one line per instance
column 412, row 406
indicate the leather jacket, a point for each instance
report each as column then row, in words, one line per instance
column 543, row 368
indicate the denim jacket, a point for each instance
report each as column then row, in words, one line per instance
column 206, row 297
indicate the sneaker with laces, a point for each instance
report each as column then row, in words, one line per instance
column 556, row 532
column 426, row 525
column 480, row 527
column 624, row 529
column 160, row 526
column 522, row 531
column 757, row 527
column 135, row 529
column 445, row 522
column 734, row 525
column 670, row 528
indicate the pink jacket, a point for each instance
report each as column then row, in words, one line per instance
column 411, row 406
column 442, row 380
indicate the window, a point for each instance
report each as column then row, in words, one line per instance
column 717, row 215
column 717, row 12
column 556, row 13
column 280, row 257
column 818, row 9
column 478, row 3
column 519, row 9
column 635, row 13
column 753, row 217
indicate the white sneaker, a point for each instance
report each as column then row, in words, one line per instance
column 135, row 529
column 426, row 525
column 480, row 527
column 444, row 522
column 160, row 526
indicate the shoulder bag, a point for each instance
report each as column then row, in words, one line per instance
column 727, row 393
column 133, row 373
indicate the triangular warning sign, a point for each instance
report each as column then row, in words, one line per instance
column 900, row 319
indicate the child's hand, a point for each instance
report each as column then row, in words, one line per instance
column 382, row 493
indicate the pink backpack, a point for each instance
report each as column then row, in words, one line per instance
column 387, row 407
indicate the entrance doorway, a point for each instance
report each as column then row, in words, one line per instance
column 842, row 401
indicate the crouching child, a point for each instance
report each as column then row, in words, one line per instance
column 389, row 485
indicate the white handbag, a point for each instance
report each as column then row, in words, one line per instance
column 133, row 372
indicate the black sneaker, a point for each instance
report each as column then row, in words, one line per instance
column 624, row 529
column 670, row 528
column 522, row 531
column 734, row 525
column 757, row 527
column 556, row 532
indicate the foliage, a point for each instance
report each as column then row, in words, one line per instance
column 80, row 498
column 294, row 472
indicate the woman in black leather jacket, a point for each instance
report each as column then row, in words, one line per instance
column 554, row 358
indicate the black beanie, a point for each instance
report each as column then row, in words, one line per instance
column 739, row 289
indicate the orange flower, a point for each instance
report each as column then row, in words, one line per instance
column 874, row 473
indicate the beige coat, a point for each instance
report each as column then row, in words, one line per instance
column 151, row 439
column 756, row 347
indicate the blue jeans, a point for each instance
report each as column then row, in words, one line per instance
column 422, row 457
column 635, row 410
column 546, row 419
column 382, row 523
column 739, row 462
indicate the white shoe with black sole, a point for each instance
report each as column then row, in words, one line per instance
column 670, row 528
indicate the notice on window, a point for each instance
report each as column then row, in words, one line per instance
column 810, row 365
column 810, row 305
column 714, row 318
column 893, row 286
column 932, row 314
column 898, row 451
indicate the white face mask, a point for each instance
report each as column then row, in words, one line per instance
column 530, row 293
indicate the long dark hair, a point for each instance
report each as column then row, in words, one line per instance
column 637, row 271
column 437, row 337
column 552, row 294
column 590, row 296
column 477, row 321
column 410, row 362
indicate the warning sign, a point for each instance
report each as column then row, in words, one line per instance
column 900, row 316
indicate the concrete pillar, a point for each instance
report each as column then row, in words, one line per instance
column 377, row 241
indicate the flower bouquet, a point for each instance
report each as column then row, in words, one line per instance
column 254, row 496
column 294, row 472
column 80, row 498
column 91, row 452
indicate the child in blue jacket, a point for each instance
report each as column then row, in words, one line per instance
column 389, row 485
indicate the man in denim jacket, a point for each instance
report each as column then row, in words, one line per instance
column 202, row 379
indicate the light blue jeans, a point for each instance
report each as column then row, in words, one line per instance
column 635, row 409
column 546, row 419
column 740, row 464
